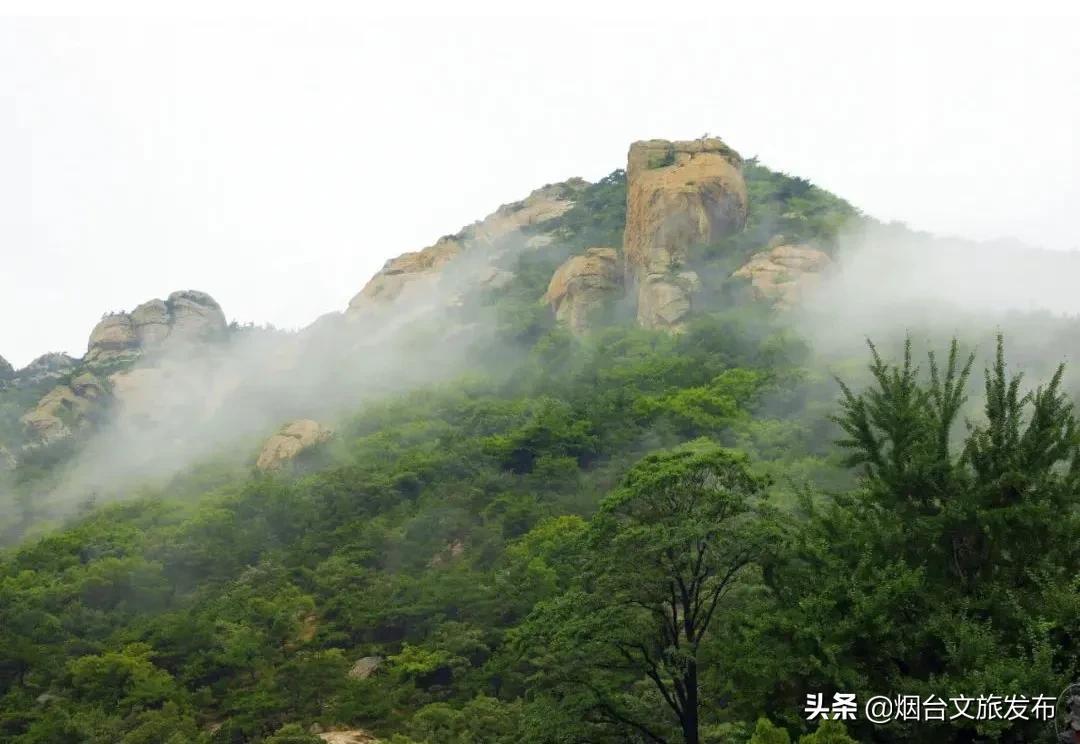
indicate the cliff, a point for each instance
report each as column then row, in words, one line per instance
column 679, row 195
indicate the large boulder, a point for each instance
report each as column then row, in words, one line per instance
column 784, row 273
column 289, row 441
column 186, row 316
column 582, row 285
column 415, row 275
column 6, row 370
column 366, row 666
column 194, row 316
column 679, row 195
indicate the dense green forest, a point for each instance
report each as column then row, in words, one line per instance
column 626, row 537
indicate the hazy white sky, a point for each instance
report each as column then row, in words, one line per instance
column 278, row 163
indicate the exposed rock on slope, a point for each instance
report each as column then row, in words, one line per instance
column 784, row 273
column 185, row 316
column 6, row 370
column 582, row 285
column 415, row 274
column 420, row 267
column 679, row 194
column 352, row 736
column 46, row 367
column 290, row 441
column 64, row 409
column 366, row 666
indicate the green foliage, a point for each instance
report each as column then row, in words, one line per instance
column 829, row 732
column 574, row 544
column 629, row 630
column 766, row 733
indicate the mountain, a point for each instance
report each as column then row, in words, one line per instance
column 570, row 474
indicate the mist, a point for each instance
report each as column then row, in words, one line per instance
column 888, row 282
column 217, row 401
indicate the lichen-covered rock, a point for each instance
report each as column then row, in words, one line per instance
column 416, row 274
column 290, row 441
column 582, row 285
column 7, row 460
column 186, row 316
column 679, row 195
column 64, row 409
column 784, row 273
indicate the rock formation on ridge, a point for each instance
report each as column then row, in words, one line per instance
column 415, row 274
column 679, row 194
column 186, row 315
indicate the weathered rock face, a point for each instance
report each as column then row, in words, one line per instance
column 418, row 268
column 185, row 316
column 679, row 194
column 290, row 441
column 194, row 315
column 415, row 274
column 112, row 338
column 784, row 274
column 64, row 409
column 582, row 285
column 6, row 370
column 151, row 322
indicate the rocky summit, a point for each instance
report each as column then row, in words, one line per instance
column 187, row 315
column 679, row 195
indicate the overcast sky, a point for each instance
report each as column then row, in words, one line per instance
column 277, row 164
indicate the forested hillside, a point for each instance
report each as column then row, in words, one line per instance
column 627, row 534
